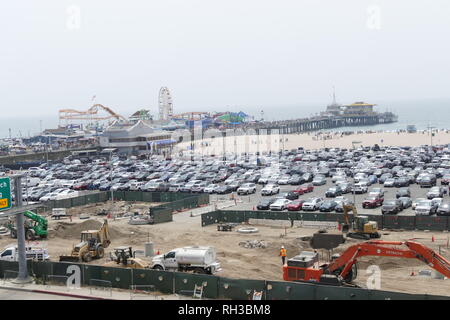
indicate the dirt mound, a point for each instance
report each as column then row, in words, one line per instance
column 68, row 230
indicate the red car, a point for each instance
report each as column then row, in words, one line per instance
column 80, row 186
column 305, row 188
column 372, row 202
column 295, row 205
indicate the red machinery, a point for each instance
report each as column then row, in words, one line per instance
column 342, row 268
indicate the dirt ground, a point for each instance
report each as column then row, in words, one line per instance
column 238, row 261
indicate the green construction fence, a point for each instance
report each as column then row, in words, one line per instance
column 395, row 222
column 214, row 287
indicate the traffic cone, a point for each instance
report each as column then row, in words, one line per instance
column 339, row 226
column 158, row 253
column 432, row 238
column 413, row 273
column 253, row 208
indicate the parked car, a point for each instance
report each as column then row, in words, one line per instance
column 393, row 206
column 305, row 188
column 443, row 209
column 246, row 188
column 372, row 201
column 436, row 192
column 416, row 201
column 211, row 188
column 295, row 205
column 333, row 192
column 403, row 192
column 425, row 208
column 280, row 204
column 328, row 206
column 406, row 202
column 319, row 181
column 312, row 204
column 224, row 189
column 359, row 188
column 379, row 191
column 389, row 183
column 270, row 189
column 264, row 204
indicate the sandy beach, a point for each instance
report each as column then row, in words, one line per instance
column 313, row 140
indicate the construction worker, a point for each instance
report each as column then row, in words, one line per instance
column 283, row 255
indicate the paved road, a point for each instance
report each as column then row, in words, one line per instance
column 6, row 294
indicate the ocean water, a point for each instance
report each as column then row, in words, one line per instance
column 421, row 113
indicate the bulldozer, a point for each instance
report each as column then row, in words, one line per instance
column 361, row 228
column 92, row 245
column 126, row 257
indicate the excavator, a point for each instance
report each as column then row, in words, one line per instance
column 35, row 227
column 92, row 245
column 125, row 256
column 342, row 268
column 362, row 228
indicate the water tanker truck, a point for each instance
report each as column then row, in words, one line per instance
column 188, row 259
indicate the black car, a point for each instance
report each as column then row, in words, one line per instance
column 297, row 180
column 392, row 206
column 328, row 206
column 333, row 192
column 403, row 192
column 264, row 204
column 401, row 182
column 224, row 189
column 443, row 209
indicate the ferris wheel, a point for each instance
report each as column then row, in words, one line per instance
column 165, row 104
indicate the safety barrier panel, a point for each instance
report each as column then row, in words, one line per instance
column 433, row 223
column 183, row 283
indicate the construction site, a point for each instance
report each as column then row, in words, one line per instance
column 248, row 250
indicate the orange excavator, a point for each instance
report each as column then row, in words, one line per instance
column 342, row 268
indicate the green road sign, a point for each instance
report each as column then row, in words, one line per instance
column 5, row 194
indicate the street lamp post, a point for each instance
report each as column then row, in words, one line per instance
column 20, row 220
column 110, row 177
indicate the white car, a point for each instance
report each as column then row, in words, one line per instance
column 270, row 189
column 48, row 197
column 416, row 202
column 136, row 185
column 280, row 204
column 424, row 208
column 211, row 188
column 247, row 188
column 360, row 188
column 284, row 180
column 312, row 204
column 65, row 194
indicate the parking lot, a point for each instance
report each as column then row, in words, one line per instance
column 249, row 202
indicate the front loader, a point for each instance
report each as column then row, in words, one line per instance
column 92, row 245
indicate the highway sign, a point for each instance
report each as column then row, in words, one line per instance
column 5, row 194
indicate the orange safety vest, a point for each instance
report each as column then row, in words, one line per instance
column 283, row 252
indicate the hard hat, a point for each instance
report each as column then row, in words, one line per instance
column 282, row 247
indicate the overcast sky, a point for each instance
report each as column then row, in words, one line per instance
column 213, row 54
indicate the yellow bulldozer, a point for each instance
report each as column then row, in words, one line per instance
column 92, row 245
column 361, row 228
column 126, row 257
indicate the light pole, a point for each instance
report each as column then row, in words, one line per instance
column 23, row 271
column 110, row 178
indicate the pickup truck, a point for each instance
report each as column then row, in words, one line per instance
column 11, row 254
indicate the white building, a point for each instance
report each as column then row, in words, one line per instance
column 136, row 138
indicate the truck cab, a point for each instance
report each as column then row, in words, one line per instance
column 33, row 253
